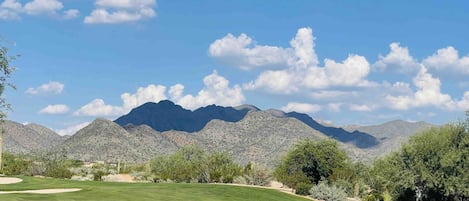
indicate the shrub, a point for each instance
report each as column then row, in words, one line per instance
column 323, row 191
column 373, row 196
column 303, row 188
column 347, row 186
column 258, row 175
column 15, row 165
column 58, row 172
column 240, row 180
column 98, row 175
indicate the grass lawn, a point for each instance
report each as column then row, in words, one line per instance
column 140, row 191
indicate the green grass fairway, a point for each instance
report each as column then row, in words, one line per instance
column 103, row 191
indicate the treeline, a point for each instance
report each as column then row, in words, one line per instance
column 49, row 165
column 193, row 164
column 433, row 165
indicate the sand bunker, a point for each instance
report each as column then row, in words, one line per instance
column 12, row 180
column 44, row 191
column 9, row 180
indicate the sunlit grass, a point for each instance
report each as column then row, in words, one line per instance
column 141, row 191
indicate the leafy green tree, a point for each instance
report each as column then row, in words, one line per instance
column 5, row 72
column 433, row 165
column 352, row 177
column 221, row 168
column 309, row 162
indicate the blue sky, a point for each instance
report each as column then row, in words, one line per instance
column 343, row 62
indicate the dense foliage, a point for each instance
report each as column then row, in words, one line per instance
column 192, row 164
column 309, row 162
column 433, row 165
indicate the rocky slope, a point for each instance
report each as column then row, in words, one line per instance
column 21, row 139
column 104, row 140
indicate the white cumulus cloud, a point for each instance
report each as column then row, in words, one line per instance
column 397, row 60
column 216, row 91
column 121, row 11
column 351, row 72
column 12, row 9
column 280, row 81
column 297, row 66
column 428, row 93
column 37, row 7
column 242, row 52
column 463, row 104
column 98, row 108
column 55, row 109
column 151, row 93
column 301, row 107
column 447, row 59
column 70, row 130
column 52, row 87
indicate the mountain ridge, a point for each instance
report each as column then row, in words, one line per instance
column 260, row 136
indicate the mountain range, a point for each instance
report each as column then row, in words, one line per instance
column 245, row 132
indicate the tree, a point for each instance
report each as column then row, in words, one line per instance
column 222, row 168
column 5, row 72
column 433, row 165
column 309, row 162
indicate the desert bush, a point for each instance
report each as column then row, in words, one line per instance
column 347, row 186
column 240, row 180
column 61, row 172
column 323, row 191
column 373, row 196
column 98, row 175
column 143, row 177
column 303, row 188
column 15, row 165
column 257, row 175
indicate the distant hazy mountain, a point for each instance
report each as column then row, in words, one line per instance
column 357, row 138
column 20, row 139
column 166, row 115
column 390, row 135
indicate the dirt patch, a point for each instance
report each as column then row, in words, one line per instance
column 119, row 178
column 9, row 180
column 44, row 191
